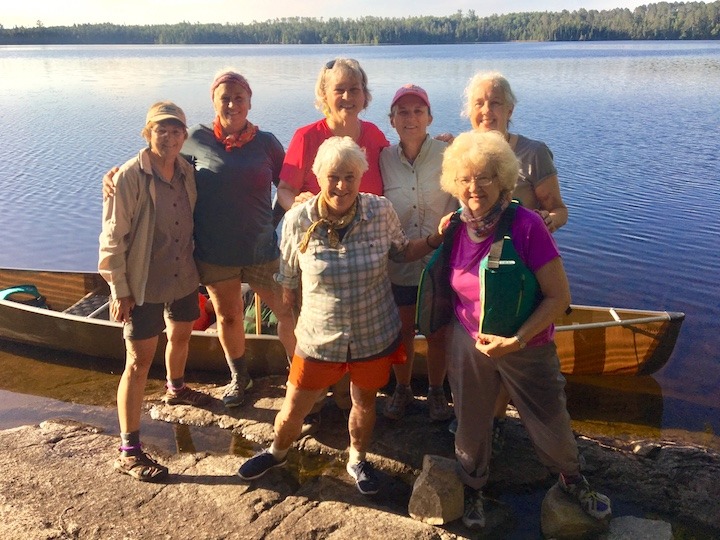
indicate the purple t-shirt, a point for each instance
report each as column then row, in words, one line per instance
column 535, row 246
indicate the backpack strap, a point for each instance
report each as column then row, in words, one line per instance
column 503, row 230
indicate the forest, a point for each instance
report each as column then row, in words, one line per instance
column 659, row 21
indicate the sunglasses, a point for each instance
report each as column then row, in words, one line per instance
column 330, row 64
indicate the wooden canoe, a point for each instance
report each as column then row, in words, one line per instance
column 591, row 340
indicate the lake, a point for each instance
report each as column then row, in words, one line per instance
column 633, row 127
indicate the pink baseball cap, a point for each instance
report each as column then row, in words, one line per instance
column 411, row 90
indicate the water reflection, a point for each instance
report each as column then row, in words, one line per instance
column 37, row 384
column 618, row 406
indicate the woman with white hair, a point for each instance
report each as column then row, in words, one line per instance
column 336, row 245
column 502, row 272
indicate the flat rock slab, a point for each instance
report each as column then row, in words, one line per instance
column 59, row 483
column 58, row 480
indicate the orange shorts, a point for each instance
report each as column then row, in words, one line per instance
column 310, row 374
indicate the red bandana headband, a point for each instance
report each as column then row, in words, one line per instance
column 230, row 76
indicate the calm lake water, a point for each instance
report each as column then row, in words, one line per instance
column 633, row 126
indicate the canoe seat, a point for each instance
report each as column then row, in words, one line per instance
column 92, row 305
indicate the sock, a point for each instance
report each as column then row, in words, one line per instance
column 278, row 454
column 176, row 384
column 130, row 443
column 355, row 456
column 237, row 366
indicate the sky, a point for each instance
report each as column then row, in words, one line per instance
column 27, row 13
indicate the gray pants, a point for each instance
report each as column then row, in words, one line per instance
column 533, row 379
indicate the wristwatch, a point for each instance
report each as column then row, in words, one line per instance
column 520, row 341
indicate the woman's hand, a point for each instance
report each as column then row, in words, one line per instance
column 444, row 222
column 548, row 219
column 496, row 346
column 445, row 137
column 108, row 186
column 121, row 308
column 302, row 197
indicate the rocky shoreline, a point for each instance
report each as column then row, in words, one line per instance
column 59, row 482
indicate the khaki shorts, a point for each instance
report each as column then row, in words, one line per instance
column 257, row 275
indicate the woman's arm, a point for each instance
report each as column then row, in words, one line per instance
column 552, row 208
column 118, row 212
column 556, row 299
column 288, row 196
column 419, row 247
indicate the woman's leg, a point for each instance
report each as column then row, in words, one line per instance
column 178, row 345
column 131, row 389
column 227, row 300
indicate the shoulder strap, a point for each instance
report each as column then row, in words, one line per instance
column 503, row 230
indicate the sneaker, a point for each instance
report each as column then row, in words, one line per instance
column 259, row 464
column 594, row 504
column 234, row 393
column 474, row 514
column 498, row 436
column 397, row 403
column 365, row 477
column 141, row 467
column 438, row 405
column 186, row 396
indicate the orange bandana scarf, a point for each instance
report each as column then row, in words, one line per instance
column 238, row 140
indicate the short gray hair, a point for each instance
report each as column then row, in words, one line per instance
column 337, row 152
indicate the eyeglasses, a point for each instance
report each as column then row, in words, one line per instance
column 479, row 181
column 172, row 132
column 330, row 64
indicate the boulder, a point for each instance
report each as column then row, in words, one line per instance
column 562, row 518
column 634, row 528
column 437, row 495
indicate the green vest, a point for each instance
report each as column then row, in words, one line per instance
column 509, row 291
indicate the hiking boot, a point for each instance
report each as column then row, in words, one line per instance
column 141, row 467
column 397, row 403
column 474, row 514
column 365, row 477
column 185, row 396
column 234, row 393
column 259, row 464
column 311, row 424
column 498, row 436
column 438, row 405
column 594, row 504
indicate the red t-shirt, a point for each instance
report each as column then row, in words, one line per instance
column 297, row 167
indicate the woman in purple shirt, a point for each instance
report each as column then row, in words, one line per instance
column 480, row 170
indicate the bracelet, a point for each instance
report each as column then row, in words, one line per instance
column 520, row 341
column 427, row 241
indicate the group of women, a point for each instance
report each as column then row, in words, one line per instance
column 356, row 310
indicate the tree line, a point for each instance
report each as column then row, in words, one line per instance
column 663, row 20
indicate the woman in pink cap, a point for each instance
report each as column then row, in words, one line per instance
column 411, row 174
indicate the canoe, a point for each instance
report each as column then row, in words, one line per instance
column 591, row 340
